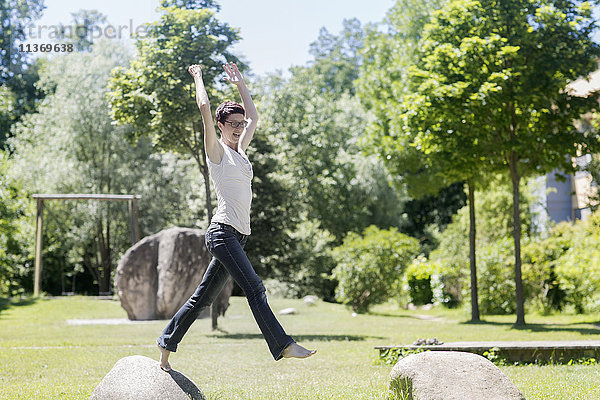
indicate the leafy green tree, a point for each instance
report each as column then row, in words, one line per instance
column 81, row 29
column 72, row 145
column 500, row 70
column 316, row 123
column 15, row 15
column 387, row 54
column 337, row 59
column 155, row 96
column 387, row 89
column 17, row 73
column 370, row 266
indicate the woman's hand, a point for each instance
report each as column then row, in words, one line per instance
column 195, row 70
column 233, row 74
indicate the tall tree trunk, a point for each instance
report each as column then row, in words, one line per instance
column 514, row 174
column 472, row 258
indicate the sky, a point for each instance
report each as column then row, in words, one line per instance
column 276, row 34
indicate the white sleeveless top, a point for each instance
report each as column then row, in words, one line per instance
column 233, row 184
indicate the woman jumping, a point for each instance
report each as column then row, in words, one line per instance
column 231, row 173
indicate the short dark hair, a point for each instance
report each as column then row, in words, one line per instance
column 227, row 108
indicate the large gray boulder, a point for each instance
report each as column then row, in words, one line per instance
column 158, row 274
column 450, row 375
column 138, row 377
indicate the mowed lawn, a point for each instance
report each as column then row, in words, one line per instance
column 43, row 356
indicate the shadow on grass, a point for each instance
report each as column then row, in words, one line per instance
column 420, row 318
column 544, row 327
column 6, row 303
column 300, row 338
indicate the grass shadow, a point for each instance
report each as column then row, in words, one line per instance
column 301, row 338
column 388, row 315
column 6, row 303
column 572, row 327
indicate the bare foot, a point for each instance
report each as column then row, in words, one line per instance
column 294, row 350
column 164, row 359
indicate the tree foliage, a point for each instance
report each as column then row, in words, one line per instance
column 154, row 95
column 15, row 251
column 80, row 32
column 488, row 92
column 17, row 73
column 15, row 15
column 72, row 146
column 317, row 124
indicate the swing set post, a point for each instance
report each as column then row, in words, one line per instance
column 133, row 218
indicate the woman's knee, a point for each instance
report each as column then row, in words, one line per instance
column 254, row 290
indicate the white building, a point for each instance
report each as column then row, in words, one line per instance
column 567, row 199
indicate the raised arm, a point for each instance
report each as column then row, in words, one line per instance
column 235, row 77
column 211, row 146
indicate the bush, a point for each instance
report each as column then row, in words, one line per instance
column 578, row 270
column 431, row 281
column 540, row 258
column 370, row 267
column 495, row 278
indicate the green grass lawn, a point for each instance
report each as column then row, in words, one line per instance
column 43, row 357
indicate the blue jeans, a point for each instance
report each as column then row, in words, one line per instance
column 226, row 245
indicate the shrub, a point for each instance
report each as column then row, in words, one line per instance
column 15, row 234
column 495, row 278
column 540, row 258
column 369, row 267
column 432, row 281
column 578, row 270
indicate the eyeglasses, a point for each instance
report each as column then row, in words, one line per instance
column 235, row 124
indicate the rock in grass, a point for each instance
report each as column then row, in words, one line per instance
column 138, row 377
column 310, row 300
column 158, row 274
column 288, row 311
column 450, row 375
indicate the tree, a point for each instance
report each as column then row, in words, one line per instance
column 337, row 59
column 83, row 22
column 317, row 124
column 494, row 74
column 382, row 86
column 15, row 15
column 72, row 145
column 430, row 175
column 155, row 95
column 17, row 73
